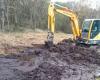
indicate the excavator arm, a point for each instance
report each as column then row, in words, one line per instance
column 51, row 21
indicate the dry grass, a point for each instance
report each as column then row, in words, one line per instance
column 15, row 42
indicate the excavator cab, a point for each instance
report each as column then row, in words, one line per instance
column 91, row 32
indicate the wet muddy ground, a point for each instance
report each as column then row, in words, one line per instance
column 63, row 61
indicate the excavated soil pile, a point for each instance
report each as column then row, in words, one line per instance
column 76, row 54
column 63, row 61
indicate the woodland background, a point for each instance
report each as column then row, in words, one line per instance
column 20, row 15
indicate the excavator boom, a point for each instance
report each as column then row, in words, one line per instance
column 51, row 21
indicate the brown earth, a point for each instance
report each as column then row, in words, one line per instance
column 15, row 42
column 34, row 61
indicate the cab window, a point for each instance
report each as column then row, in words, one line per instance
column 86, row 26
column 95, row 28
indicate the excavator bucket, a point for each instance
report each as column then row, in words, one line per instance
column 48, row 44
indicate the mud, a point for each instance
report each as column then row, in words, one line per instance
column 76, row 54
column 63, row 61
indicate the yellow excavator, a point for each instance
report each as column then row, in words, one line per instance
column 88, row 34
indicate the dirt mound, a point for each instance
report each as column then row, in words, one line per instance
column 76, row 54
column 45, row 71
column 63, row 61
column 48, row 71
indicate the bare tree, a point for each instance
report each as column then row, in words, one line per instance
column 2, row 14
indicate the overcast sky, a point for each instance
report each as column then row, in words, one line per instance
column 91, row 3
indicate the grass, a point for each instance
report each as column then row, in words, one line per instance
column 15, row 42
column 97, row 78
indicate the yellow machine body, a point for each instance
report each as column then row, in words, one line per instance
column 89, row 34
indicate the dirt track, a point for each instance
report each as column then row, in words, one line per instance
column 63, row 61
